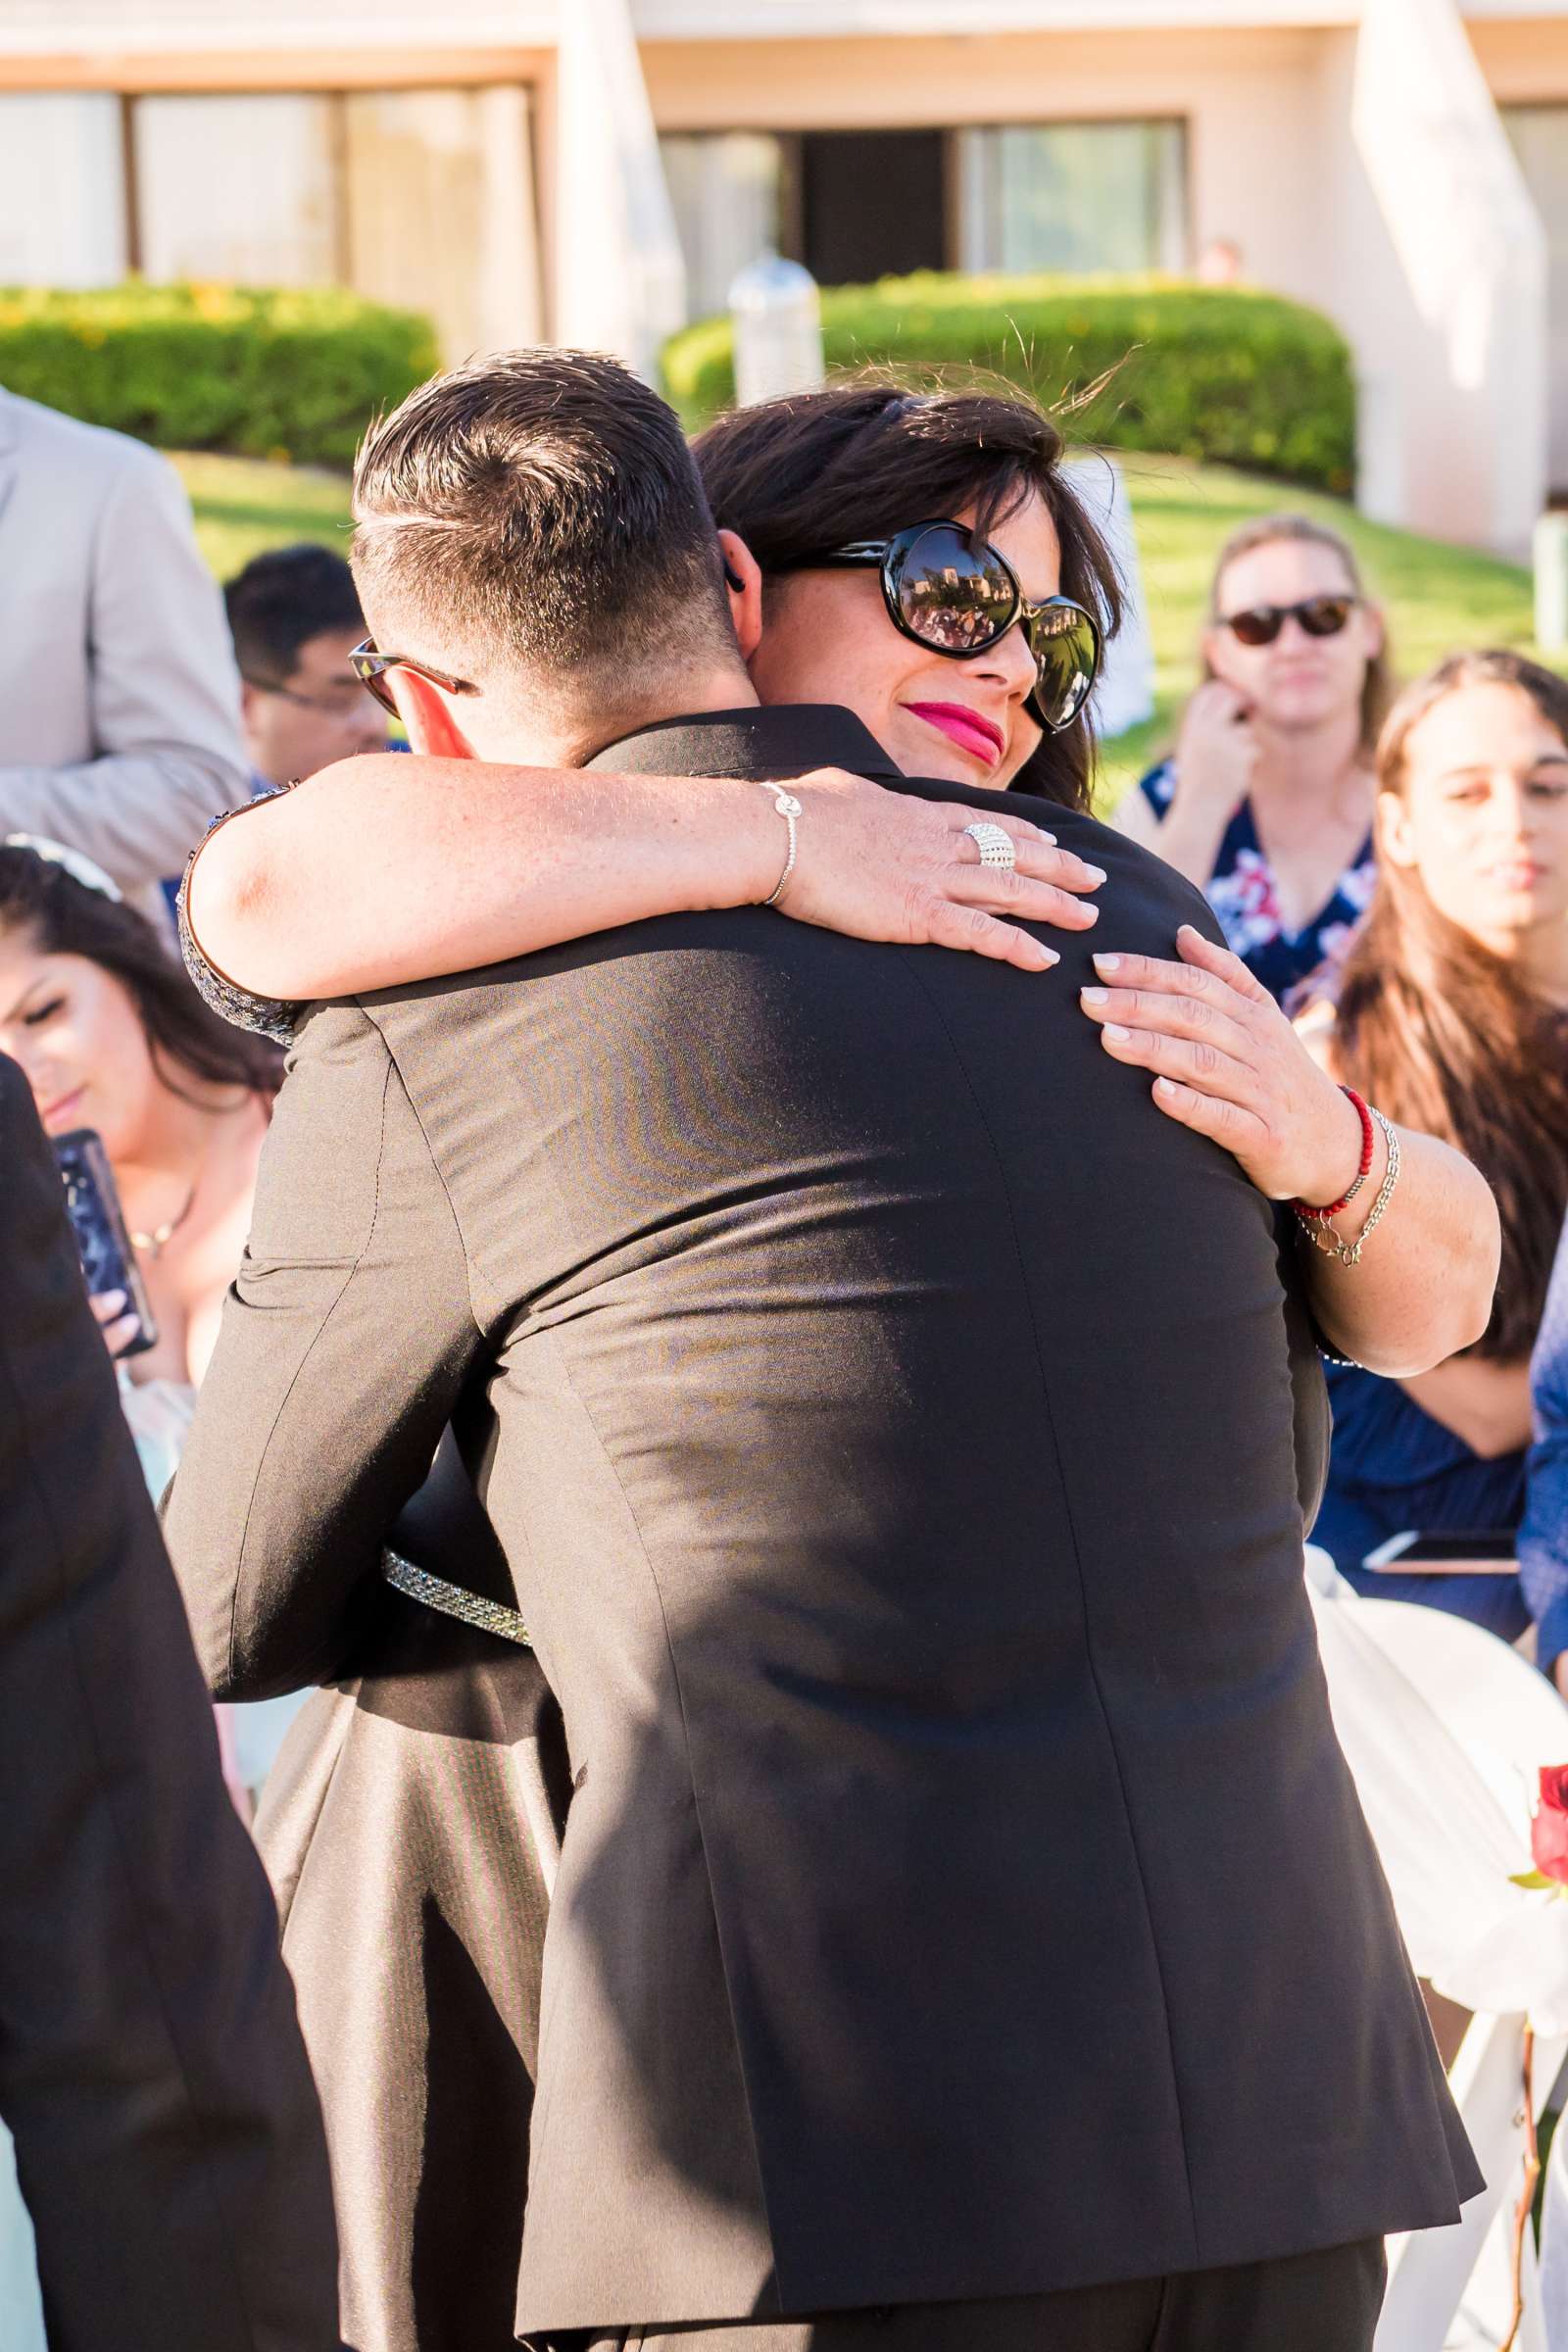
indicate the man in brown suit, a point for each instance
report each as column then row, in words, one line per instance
column 955, row 1808
column 168, row 2138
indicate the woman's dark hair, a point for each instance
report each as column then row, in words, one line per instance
column 1446, row 1038
column 863, row 459
column 66, row 917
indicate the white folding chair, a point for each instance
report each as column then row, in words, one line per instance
column 1445, row 1728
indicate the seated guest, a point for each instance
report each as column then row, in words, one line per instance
column 295, row 617
column 1543, row 1536
column 111, row 1036
column 1266, row 803
column 168, row 2138
column 1452, row 1014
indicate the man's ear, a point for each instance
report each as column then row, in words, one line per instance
column 429, row 717
column 743, row 579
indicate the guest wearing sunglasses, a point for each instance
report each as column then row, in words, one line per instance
column 1266, row 803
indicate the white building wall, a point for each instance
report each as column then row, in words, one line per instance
column 62, row 188
column 1439, row 279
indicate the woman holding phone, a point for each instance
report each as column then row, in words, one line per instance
column 1266, row 803
column 111, row 1037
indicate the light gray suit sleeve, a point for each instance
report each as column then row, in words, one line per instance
column 345, row 1343
column 164, row 715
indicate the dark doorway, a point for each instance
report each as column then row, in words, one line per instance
column 874, row 204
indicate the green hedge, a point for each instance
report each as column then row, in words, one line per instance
column 284, row 372
column 1211, row 372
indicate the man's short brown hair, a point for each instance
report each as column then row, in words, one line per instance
column 538, row 513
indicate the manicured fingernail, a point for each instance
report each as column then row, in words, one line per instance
column 1045, row 836
column 1116, row 1030
column 112, row 1302
column 1106, row 963
column 1164, row 1086
column 1095, row 996
column 1096, row 873
column 1049, row 954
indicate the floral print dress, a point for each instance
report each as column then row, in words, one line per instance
column 1245, row 896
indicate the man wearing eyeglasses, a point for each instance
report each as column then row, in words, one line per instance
column 295, row 617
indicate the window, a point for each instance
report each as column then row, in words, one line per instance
column 1540, row 135
column 238, row 188
column 1073, row 196
column 419, row 197
column 726, row 188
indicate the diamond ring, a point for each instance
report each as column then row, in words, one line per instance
column 994, row 844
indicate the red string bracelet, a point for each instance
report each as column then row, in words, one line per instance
column 1317, row 1216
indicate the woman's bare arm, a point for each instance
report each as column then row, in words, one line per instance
column 390, row 868
column 1230, row 1066
column 1212, row 769
column 1486, row 1405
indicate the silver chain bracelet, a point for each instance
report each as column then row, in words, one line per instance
column 790, row 810
column 1324, row 1235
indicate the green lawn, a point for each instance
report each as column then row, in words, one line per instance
column 245, row 504
column 1437, row 597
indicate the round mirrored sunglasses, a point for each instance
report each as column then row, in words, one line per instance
column 958, row 596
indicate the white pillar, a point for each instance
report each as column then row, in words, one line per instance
column 1459, row 358
column 508, row 293
column 620, row 282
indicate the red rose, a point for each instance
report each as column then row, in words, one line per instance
column 1549, row 1831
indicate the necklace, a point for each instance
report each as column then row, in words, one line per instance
column 154, row 1243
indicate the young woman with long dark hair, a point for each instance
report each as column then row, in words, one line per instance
column 111, row 1037
column 1451, row 1014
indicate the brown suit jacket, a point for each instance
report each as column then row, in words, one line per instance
column 151, row 2068
column 898, row 1436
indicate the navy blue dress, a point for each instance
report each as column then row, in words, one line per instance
column 1390, row 1467
column 1245, row 896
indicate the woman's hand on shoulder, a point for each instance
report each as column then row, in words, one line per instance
column 888, row 865
column 1229, row 1065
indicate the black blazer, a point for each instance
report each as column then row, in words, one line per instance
column 151, row 2070
column 892, row 1426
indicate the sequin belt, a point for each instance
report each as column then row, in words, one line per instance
column 452, row 1601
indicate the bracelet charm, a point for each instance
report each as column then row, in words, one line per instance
column 789, row 808
column 1315, row 1221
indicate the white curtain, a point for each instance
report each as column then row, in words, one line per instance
column 725, row 190
column 1073, row 196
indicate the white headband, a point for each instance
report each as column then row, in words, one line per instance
column 55, row 852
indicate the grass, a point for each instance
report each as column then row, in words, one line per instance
column 1437, row 597
column 243, row 504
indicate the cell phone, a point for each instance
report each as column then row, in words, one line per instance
column 103, row 1243
column 1448, row 1551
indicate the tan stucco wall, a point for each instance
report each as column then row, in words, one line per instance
column 1239, row 93
column 1523, row 59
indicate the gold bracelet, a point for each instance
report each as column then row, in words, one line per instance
column 1324, row 1235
